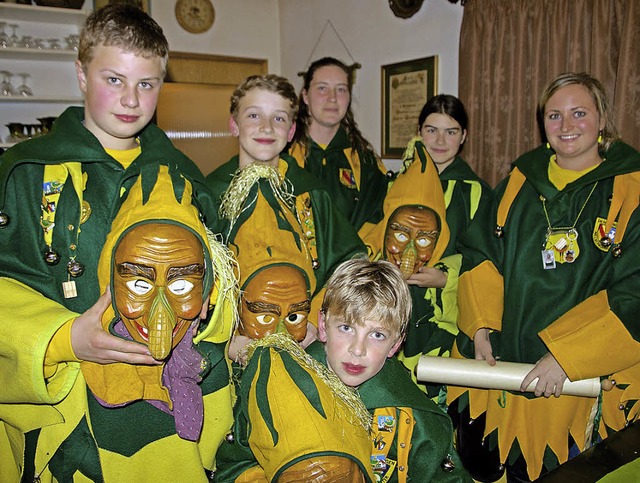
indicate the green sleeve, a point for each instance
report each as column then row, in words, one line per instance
column 337, row 241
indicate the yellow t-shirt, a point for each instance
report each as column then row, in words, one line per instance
column 561, row 177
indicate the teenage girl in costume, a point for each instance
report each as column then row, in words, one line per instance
column 442, row 131
column 329, row 145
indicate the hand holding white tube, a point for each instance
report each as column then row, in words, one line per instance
column 503, row 375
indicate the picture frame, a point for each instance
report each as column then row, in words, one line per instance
column 406, row 86
column 142, row 4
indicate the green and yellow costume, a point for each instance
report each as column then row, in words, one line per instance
column 410, row 435
column 328, row 236
column 456, row 194
column 357, row 183
column 583, row 310
column 51, row 426
column 292, row 410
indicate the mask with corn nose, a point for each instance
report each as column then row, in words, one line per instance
column 410, row 237
column 158, row 284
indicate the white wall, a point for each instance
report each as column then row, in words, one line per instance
column 285, row 32
column 374, row 37
column 242, row 28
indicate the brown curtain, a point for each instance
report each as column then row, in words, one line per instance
column 509, row 50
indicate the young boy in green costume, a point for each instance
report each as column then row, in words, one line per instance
column 263, row 111
column 58, row 197
column 362, row 324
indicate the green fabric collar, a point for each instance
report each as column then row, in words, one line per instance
column 620, row 159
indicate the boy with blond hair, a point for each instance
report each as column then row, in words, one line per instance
column 58, row 197
column 362, row 324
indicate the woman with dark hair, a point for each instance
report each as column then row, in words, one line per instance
column 552, row 279
column 329, row 145
column 442, row 130
column 442, row 126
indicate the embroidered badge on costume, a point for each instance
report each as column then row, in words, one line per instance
column 379, row 443
column 347, row 178
column 52, row 187
column 386, row 423
column 599, row 234
column 382, row 468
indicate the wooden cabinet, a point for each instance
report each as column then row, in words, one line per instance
column 51, row 72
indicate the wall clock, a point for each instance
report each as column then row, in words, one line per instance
column 195, row 16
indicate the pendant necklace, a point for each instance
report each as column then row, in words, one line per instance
column 54, row 180
column 561, row 243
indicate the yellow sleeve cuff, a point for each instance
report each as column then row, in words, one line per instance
column 583, row 340
column 60, row 349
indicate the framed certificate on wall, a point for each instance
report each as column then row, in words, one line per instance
column 406, row 86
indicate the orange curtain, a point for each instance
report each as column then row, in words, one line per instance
column 510, row 49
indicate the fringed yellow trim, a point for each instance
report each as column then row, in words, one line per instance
column 408, row 155
column 516, row 180
column 626, row 196
column 225, row 290
column 355, row 409
column 233, row 199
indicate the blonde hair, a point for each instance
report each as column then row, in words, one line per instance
column 360, row 289
column 272, row 83
column 124, row 26
column 597, row 92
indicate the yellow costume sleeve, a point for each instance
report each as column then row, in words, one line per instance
column 30, row 322
column 480, row 299
column 578, row 340
column 59, row 350
column 446, row 315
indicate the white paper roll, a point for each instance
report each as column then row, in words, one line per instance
column 504, row 375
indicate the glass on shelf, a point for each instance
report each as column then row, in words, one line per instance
column 47, row 123
column 7, row 86
column 4, row 38
column 23, row 89
column 16, row 132
column 14, row 40
column 36, row 130
column 73, row 41
column 27, row 42
column 54, row 44
column 39, row 44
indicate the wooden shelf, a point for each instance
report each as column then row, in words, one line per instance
column 42, row 99
column 33, row 13
column 20, row 53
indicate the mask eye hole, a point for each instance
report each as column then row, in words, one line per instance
column 266, row 319
column 401, row 237
column 295, row 319
column 180, row 287
column 139, row 286
column 423, row 242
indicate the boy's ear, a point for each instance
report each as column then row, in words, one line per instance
column 305, row 98
column 82, row 78
column 322, row 327
column 292, row 131
column 233, row 127
column 395, row 348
